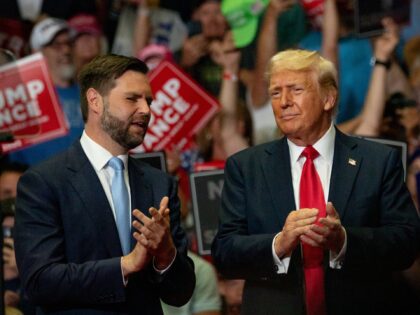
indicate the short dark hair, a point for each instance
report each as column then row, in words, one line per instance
column 13, row 167
column 198, row 3
column 101, row 74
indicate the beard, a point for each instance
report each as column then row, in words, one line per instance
column 119, row 130
column 66, row 72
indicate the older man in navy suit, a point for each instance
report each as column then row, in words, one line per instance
column 75, row 249
column 299, row 253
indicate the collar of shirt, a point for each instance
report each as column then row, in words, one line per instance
column 323, row 164
column 98, row 155
column 325, row 147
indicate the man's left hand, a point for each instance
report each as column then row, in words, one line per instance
column 155, row 233
column 329, row 233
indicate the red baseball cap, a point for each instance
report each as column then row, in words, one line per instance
column 85, row 24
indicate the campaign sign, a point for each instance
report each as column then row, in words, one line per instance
column 368, row 15
column 209, row 166
column 180, row 108
column 206, row 192
column 401, row 146
column 155, row 159
column 29, row 108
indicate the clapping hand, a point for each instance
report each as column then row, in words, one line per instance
column 328, row 234
column 154, row 233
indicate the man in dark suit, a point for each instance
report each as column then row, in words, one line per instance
column 367, row 230
column 73, row 253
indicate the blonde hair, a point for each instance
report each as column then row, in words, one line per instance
column 305, row 60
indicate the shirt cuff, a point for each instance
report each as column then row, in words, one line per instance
column 125, row 279
column 336, row 261
column 281, row 265
column 162, row 271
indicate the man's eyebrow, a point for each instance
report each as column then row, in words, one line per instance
column 292, row 84
column 135, row 94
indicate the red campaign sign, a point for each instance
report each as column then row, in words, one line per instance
column 180, row 108
column 29, row 107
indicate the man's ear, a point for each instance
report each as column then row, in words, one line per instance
column 330, row 99
column 94, row 100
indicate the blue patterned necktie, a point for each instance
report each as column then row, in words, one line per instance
column 121, row 203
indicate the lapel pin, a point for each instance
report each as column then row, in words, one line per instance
column 352, row 162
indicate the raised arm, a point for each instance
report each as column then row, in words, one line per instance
column 233, row 140
column 372, row 113
column 330, row 32
column 142, row 27
column 266, row 48
column 368, row 122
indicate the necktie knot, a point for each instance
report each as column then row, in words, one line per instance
column 310, row 153
column 116, row 163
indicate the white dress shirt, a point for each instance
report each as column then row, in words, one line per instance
column 99, row 157
column 323, row 164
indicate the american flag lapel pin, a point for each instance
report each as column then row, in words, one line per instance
column 352, row 162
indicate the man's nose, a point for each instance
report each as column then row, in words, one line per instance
column 143, row 106
column 286, row 99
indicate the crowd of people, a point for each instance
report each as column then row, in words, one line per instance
column 378, row 88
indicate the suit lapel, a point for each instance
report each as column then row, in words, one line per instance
column 141, row 191
column 277, row 172
column 87, row 184
column 346, row 165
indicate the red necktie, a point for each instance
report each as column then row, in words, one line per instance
column 312, row 196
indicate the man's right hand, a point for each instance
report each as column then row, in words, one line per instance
column 135, row 261
column 297, row 223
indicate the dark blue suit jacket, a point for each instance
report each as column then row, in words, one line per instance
column 374, row 206
column 67, row 245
